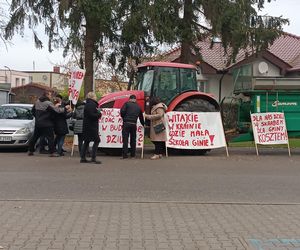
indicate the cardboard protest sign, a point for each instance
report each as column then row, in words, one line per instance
column 110, row 130
column 269, row 128
column 75, row 83
column 191, row 130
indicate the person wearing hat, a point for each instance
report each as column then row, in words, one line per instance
column 130, row 112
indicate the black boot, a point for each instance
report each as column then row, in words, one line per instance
column 83, row 160
column 95, row 161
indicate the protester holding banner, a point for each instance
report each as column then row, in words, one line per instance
column 130, row 112
column 158, row 134
column 91, row 127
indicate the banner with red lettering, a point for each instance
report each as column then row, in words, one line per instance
column 75, row 83
column 110, row 130
column 269, row 128
column 190, row 130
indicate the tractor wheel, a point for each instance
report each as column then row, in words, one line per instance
column 194, row 105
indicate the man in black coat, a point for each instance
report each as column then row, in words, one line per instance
column 90, row 128
column 130, row 112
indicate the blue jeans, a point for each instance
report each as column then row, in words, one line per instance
column 60, row 139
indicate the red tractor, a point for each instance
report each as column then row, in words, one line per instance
column 175, row 84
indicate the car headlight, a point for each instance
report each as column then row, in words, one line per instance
column 23, row 131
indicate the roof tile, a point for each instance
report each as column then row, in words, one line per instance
column 286, row 47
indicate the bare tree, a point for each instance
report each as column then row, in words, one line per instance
column 3, row 19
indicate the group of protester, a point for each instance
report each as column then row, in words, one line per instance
column 50, row 119
column 50, row 123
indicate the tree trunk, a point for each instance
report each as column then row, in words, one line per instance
column 187, row 35
column 89, row 59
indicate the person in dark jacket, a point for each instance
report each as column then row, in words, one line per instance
column 43, row 111
column 78, row 115
column 60, row 126
column 130, row 112
column 90, row 127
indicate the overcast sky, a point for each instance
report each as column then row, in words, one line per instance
column 22, row 55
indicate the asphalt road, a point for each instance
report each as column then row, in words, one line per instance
column 271, row 178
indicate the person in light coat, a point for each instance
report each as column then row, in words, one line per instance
column 156, row 117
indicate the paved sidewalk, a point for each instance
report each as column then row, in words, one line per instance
column 121, row 225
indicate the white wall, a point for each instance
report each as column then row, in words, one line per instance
column 50, row 79
column 14, row 77
column 4, row 98
column 213, row 83
column 273, row 71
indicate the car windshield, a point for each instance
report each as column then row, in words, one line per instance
column 15, row 112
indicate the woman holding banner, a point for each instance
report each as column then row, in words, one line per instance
column 158, row 134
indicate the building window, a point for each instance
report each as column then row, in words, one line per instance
column 202, row 85
column 17, row 82
column 30, row 79
column 23, row 81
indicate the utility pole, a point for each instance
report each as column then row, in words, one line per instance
column 9, row 75
column 9, row 93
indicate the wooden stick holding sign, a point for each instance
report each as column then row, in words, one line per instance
column 288, row 141
column 226, row 147
column 75, row 142
column 289, row 148
column 143, row 144
column 256, row 147
column 167, row 155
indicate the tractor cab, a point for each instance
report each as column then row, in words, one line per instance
column 174, row 83
column 166, row 80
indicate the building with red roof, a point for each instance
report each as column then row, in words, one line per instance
column 278, row 65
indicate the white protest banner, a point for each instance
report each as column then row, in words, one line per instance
column 75, row 83
column 110, row 130
column 269, row 128
column 191, row 130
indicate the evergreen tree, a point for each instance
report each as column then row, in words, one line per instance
column 88, row 24
column 131, row 28
column 2, row 25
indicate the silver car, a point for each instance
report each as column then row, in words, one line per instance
column 16, row 125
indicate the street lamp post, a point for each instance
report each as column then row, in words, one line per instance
column 9, row 74
column 9, row 93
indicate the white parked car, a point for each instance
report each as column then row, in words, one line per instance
column 16, row 125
